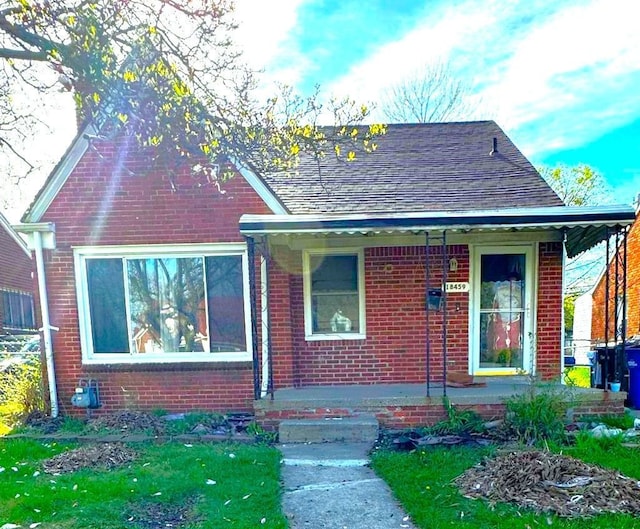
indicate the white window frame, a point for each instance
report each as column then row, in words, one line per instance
column 83, row 253
column 308, row 313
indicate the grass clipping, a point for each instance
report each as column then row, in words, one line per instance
column 551, row 483
column 105, row 456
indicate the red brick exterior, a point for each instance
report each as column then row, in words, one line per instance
column 633, row 292
column 394, row 350
column 101, row 205
column 15, row 270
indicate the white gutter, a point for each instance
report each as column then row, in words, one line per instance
column 46, row 324
column 264, row 306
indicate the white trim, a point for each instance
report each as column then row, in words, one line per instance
column 60, row 175
column 4, row 223
column 306, row 284
column 258, row 185
column 529, row 316
column 82, row 254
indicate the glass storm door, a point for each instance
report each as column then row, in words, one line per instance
column 503, row 288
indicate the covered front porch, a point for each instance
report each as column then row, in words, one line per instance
column 407, row 405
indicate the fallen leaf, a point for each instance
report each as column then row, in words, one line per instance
column 157, row 494
column 15, row 469
column 146, row 464
column 263, row 520
column 211, row 482
column 188, row 445
column 75, row 487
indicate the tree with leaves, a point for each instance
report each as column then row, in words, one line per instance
column 579, row 185
column 432, row 94
column 165, row 72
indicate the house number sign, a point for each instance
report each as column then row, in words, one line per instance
column 460, row 286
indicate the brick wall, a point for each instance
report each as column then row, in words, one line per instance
column 102, row 203
column 394, row 350
column 15, row 270
column 633, row 292
column 549, row 324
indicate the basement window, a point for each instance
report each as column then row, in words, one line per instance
column 17, row 310
column 163, row 304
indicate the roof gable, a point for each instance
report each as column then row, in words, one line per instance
column 420, row 167
column 4, row 225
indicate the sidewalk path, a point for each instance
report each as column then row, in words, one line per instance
column 330, row 486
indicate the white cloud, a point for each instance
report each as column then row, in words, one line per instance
column 545, row 70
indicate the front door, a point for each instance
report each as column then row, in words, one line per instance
column 501, row 330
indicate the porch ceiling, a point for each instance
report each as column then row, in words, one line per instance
column 584, row 226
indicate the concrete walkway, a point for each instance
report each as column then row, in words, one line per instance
column 330, row 486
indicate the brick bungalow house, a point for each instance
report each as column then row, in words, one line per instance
column 17, row 314
column 440, row 252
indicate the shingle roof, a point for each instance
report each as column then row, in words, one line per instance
column 420, row 167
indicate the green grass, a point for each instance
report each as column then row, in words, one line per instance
column 247, row 488
column 421, row 481
column 578, row 376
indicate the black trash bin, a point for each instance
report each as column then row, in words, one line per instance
column 613, row 362
column 633, row 361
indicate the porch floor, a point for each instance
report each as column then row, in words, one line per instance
column 494, row 392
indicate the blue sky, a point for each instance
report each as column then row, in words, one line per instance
column 562, row 78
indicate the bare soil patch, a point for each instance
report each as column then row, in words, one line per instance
column 105, row 456
column 551, row 483
column 160, row 515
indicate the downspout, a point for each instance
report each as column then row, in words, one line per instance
column 46, row 324
column 264, row 306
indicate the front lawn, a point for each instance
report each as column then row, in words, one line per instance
column 172, row 484
column 422, row 481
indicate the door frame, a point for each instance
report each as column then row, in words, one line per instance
column 530, row 251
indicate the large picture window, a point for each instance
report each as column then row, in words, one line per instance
column 334, row 295
column 163, row 304
column 17, row 310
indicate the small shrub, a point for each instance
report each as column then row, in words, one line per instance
column 537, row 415
column 458, row 421
column 21, row 393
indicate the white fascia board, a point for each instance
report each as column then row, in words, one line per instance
column 60, row 175
column 4, row 223
column 269, row 198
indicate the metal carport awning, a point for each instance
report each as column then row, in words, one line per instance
column 584, row 227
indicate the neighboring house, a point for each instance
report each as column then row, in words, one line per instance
column 624, row 296
column 582, row 327
column 332, row 275
column 17, row 314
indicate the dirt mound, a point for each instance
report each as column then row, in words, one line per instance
column 107, row 456
column 551, row 483
column 129, row 421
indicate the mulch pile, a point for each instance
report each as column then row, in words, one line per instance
column 131, row 421
column 160, row 515
column 551, row 483
column 107, row 456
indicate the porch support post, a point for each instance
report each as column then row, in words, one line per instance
column 445, row 268
column 251, row 256
column 426, row 300
column 607, row 282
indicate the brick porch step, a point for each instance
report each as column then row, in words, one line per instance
column 360, row 429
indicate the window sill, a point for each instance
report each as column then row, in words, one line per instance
column 334, row 337
column 126, row 359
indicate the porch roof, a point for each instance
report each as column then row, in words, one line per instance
column 584, row 226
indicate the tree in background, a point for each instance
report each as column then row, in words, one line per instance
column 166, row 74
column 433, row 94
column 579, row 185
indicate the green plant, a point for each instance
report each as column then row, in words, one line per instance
column 21, row 393
column 537, row 415
column 457, row 421
column 577, row 376
column 261, row 435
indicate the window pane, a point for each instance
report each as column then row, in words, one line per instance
column 106, row 306
column 334, row 294
column 165, row 296
column 500, row 341
column 225, row 293
column 333, row 273
column 335, row 313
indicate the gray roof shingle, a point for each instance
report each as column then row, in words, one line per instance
column 419, row 167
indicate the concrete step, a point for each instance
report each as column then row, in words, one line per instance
column 357, row 429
